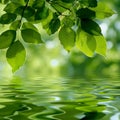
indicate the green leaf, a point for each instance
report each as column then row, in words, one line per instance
column 100, row 45
column 6, row 38
column 16, row 55
column 46, row 22
column 67, row 37
column 103, row 10
column 28, row 12
column 38, row 3
column 85, row 13
column 54, row 25
column 89, row 3
column 68, row 1
column 31, row 36
column 19, row 2
column 28, row 25
column 7, row 18
column 11, row 7
column 86, row 43
column 58, row 8
column 68, row 21
column 41, row 13
column 90, row 27
column 15, row 25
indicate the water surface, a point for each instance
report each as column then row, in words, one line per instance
column 63, row 98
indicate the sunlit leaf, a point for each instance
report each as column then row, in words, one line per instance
column 28, row 25
column 67, row 20
column 86, row 43
column 31, row 36
column 6, row 38
column 7, row 18
column 58, row 8
column 19, row 2
column 100, row 45
column 90, row 27
column 67, row 37
column 16, row 55
column 103, row 10
column 15, row 25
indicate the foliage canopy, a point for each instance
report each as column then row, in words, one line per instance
column 74, row 20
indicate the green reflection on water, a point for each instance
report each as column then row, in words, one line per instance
column 60, row 98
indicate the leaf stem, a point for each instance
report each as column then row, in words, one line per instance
column 23, row 12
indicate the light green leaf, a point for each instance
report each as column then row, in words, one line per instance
column 100, row 45
column 16, row 55
column 6, row 38
column 31, row 36
column 15, row 25
column 103, row 10
column 67, row 37
column 86, row 43
column 28, row 25
column 19, row 2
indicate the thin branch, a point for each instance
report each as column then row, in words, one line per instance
column 23, row 12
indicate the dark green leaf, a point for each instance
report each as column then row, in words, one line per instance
column 11, row 7
column 28, row 12
column 7, row 18
column 90, row 27
column 67, row 37
column 85, row 13
column 31, row 36
column 6, row 38
column 89, row 3
column 16, row 55
column 54, row 25
column 42, row 13
column 68, row 1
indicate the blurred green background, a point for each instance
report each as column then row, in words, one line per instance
column 51, row 59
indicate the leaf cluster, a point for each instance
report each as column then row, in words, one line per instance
column 74, row 20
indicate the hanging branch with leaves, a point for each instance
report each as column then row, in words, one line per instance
column 74, row 20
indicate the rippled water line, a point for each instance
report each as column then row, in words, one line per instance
column 116, row 116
